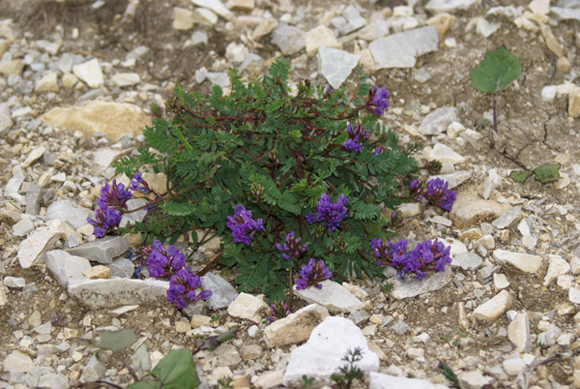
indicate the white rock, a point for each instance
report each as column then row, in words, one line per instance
column 204, row 16
column 549, row 93
column 438, row 121
column 399, row 50
column 472, row 137
column 31, row 251
column 247, row 307
column 558, row 267
column 486, row 29
column 500, row 281
column 336, row 65
column 473, row 380
column 320, row 36
column 182, row 19
column 269, row 380
column 47, row 83
column 574, row 295
column 513, row 366
column 322, row 354
column 332, row 296
column 90, row 72
column 524, row 262
column 444, row 154
column 411, row 287
column 64, row 266
column 541, row 7
column 454, row 179
column 33, row 156
column 494, row 308
column 440, row 6
column 18, row 361
column 519, row 332
column 410, row 209
column 454, row 129
column 491, row 183
column 126, row 79
column 216, row 6
column 388, row 381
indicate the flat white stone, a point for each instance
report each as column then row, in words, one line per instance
column 494, row 308
column 64, row 266
column 440, row 6
column 444, row 154
column 519, row 332
column 454, row 179
column 321, row 356
column 248, row 307
column 31, row 250
column 509, row 218
column 336, row 65
column 557, row 267
column 524, row 262
column 126, row 79
column 513, row 366
column 18, row 361
column 332, row 296
column 90, row 72
column 216, row 6
column 399, row 50
column 411, row 287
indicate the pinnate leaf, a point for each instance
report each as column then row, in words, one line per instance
column 496, row 71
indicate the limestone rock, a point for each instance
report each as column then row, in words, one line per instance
column 387, row 381
column 320, row 36
column 247, row 307
column 17, row 361
column 494, row 308
column 439, row 6
column 519, row 332
column 182, row 19
column 524, row 262
column 98, row 294
column 64, row 266
column 336, row 65
column 456, row 178
column 289, row 39
column 90, row 72
column 5, row 118
column 322, row 354
column 113, row 119
column 31, row 251
column 102, row 250
column 270, row 380
column 442, row 22
column 264, row 28
column 509, row 218
column 12, row 67
column 296, row 327
column 399, row 50
column 216, row 6
column 467, row 261
column 444, row 154
column 574, row 104
column 47, row 83
column 558, row 267
column 331, row 296
column 33, row 156
column 126, row 79
column 469, row 209
column 551, row 41
column 473, row 380
column 223, row 294
column 98, row 272
column 411, row 287
column 438, row 121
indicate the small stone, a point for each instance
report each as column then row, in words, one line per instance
column 182, row 326
column 439, row 6
column 438, row 121
column 442, row 22
column 486, row 28
column 223, row 294
column 289, row 39
column 216, row 6
column 102, row 250
column 473, row 380
column 94, row 370
column 422, row 76
column 551, row 41
column 69, row 211
column 335, row 65
column 270, row 380
column 199, row 320
column 486, row 241
column 411, row 287
column 97, row 272
column 90, row 72
column 47, row 83
column 399, row 50
column 509, row 218
column 574, row 295
column 14, row 282
column 247, row 307
column 241, row 5
column 69, row 80
column 64, row 266
column 467, row 261
column 320, row 36
column 331, row 296
column 524, row 262
column 549, row 92
column 23, row 227
column 250, row 352
column 500, row 281
column 12, row 67
column 519, row 332
column 264, row 28
column 558, row 266
column 18, row 361
column 126, row 79
column 444, row 154
column 574, row 104
column 204, row 16
column 494, row 308
column 454, row 129
column 33, row 156
column 31, row 251
column 471, row 234
column 122, row 310
column 199, row 37
column 514, row 366
column 182, row 19
column 409, row 210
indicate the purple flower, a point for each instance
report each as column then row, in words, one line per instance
column 438, row 194
column 139, row 184
column 292, row 247
column 416, row 190
column 105, row 219
column 430, row 255
column 328, row 212
column 278, row 311
column 313, row 275
column 378, row 150
column 163, row 263
column 382, row 251
column 243, row 226
column 182, row 288
column 379, row 99
column 115, row 196
column 355, row 137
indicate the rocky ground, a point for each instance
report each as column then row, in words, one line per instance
column 76, row 78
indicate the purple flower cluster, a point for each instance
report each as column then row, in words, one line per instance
column 416, row 190
column 313, row 274
column 278, row 311
column 438, row 194
column 243, row 226
column 183, row 287
column 139, row 184
column 164, row 263
column 355, row 137
column 379, row 99
column 328, row 212
column 292, row 247
column 113, row 199
column 427, row 256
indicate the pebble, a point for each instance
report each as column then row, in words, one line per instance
column 399, row 50
column 443, row 154
column 524, row 262
column 247, row 307
column 494, row 308
column 336, row 65
column 320, row 36
column 90, row 73
column 332, row 296
column 438, row 121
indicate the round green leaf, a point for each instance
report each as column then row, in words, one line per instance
column 176, row 370
column 496, row 71
column 520, row 175
column 547, row 173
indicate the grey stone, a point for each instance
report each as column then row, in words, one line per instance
column 454, row 179
column 197, row 308
column 486, row 28
column 18, row 361
column 71, row 241
column 31, row 250
column 109, row 293
column 294, row 328
column 332, row 296
column 422, row 76
column 65, row 64
column 509, row 218
column 221, row 79
column 400, row 327
column 5, row 118
column 136, row 216
column 524, row 262
column 440, row 6
column 137, row 52
column 492, row 309
column 358, row 317
column 199, row 37
column 14, row 282
column 247, row 307
column 289, row 39
column 216, row 6
column 437, row 121
column 122, row 268
column 473, row 380
column 354, row 19
column 94, row 370
column 565, row 13
column 23, row 227
column 64, row 266
column 335, row 65
column 519, row 332
column 223, row 294
column 13, row 186
column 53, row 381
column 68, row 210
column 321, row 356
column 33, row 195
column 102, row 250
column 387, row 381
column 411, row 287
column 399, row 50
column 467, row 261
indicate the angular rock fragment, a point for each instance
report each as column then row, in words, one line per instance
column 296, row 327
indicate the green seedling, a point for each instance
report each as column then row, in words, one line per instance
column 224, row 383
column 349, row 372
column 306, row 381
column 449, row 374
column 498, row 69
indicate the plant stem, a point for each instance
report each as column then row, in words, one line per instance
column 494, row 114
column 208, row 267
column 130, row 369
column 290, row 289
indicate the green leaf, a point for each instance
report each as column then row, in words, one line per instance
column 520, row 175
column 496, row 71
column 547, row 173
column 340, row 139
column 145, row 385
column 176, row 370
column 448, row 372
column 483, row 122
column 116, row 340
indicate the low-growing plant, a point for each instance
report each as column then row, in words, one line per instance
column 499, row 68
column 349, row 372
column 288, row 179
